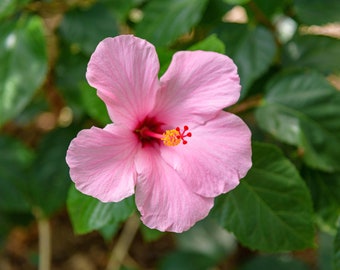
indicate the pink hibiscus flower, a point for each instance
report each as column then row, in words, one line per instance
column 170, row 143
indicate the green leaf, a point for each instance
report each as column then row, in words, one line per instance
column 93, row 105
column 8, row 7
column 83, row 29
column 317, row 12
column 316, row 52
column 13, row 175
column 236, row 2
column 150, row 234
column 336, row 260
column 271, row 209
column 252, row 50
column 88, row 214
column 274, row 262
column 50, row 179
column 184, row 260
column 70, row 74
column 211, row 43
column 165, row 20
column 325, row 190
column 22, row 45
column 303, row 109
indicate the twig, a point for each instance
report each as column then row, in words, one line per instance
column 246, row 105
column 123, row 244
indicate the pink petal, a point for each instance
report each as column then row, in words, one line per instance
column 197, row 83
column 164, row 200
column 215, row 158
column 124, row 70
column 101, row 163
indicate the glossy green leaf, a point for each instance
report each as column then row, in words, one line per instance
column 325, row 190
column 88, row 214
column 271, row 208
column 50, row 175
column 93, row 105
column 316, row 52
column 165, row 20
column 317, row 12
column 211, row 43
column 23, row 64
column 252, row 49
column 83, row 29
column 303, row 109
column 336, row 260
column 14, row 161
column 8, row 7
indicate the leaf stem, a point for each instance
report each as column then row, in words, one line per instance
column 123, row 244
column 44, row 243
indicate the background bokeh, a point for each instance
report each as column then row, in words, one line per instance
column 285, row 213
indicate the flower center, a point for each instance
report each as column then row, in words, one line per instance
column 171, row 137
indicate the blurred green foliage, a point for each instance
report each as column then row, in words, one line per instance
column 289, row 64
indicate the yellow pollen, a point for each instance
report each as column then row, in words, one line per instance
column 171, row 137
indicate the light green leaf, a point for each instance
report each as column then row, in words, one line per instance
column 271, row 209
column 8, row 7
column 303, row 109
column 317, row 12
column 211, row 43
column 316, row 52
column 165, row 20
column 23, row 64
column 88, row 214
column 252, row 50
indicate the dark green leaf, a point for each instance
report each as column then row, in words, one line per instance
column 84, row 28
column 274, row 262
column 303, row 109
column 50, row 179
column 271, row 209
column 70, row 74
column 23, row 64
column 337, row 250
column 183, row 260
column 121, row 8
column 88, row 214
column 325, row 190
column 236, row 2
column 317, row 12
column 14, row 162
column 166, row 20
column 316, row 52
column 211, row 43
column 252, row 50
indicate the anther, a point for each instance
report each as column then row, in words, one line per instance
column 174, row 136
